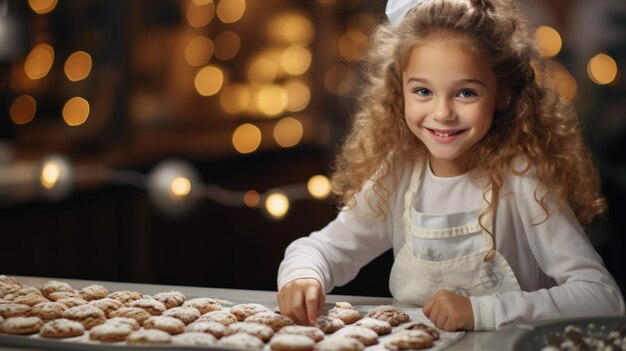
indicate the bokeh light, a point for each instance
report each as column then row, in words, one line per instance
column 252, row 198
column 296, row 60
column 200, row 15
column 339, row 79
column 78, row 66
column 76, row 111
column 226, row 45
column 277, row 204
column 272, row 100
column 292, row 28
column 319, row 186
column 246, row 138
column 39, row 61
column 41, row 7
column 560, row 78
column 198, row 51
column 288, row 132
column 352, row 45
column 298, row 95
column 209, row 81
column 548, row 41
column 235, row 98
column 602, row 69
column 230, row 11
column 180, row 186
column 23, row 109
column 56, row 177
column 262, row 71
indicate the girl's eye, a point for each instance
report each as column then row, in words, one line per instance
column 422, row 91
column 466, row 93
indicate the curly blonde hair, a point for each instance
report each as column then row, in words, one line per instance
column 534, row 123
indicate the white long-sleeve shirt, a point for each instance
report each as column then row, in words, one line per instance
column 559, row 271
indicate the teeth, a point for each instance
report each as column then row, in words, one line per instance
column 443, row 134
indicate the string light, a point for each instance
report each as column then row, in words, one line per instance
column 277, row 204
column 55, row 177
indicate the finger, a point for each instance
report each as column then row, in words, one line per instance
column 311, row 301
column 427, row 309
column 442, row 318
column 299, row 308
column 321, row 301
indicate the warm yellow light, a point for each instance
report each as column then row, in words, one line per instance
column 78, row 66
column 246, row 138
column 298, row 95
column 548, row 41
column 272, row 100
column 39, row 61
column 200, row 15
column 288, row 132
column 42, row 6
column 319, row 186
column 23, row 109
column 230, row 11
column 292, row 28
column 235, row 98
column 209, row 80
column 252, row 198
column 227, row 45
column 202, row 2
column 50, row 174
column 339, row 80
column 352, row 45
column 361, row 22
column 602, row 69
column 76, row 111
column 180, row 186
column 296, row 60
column 199, row 51
column 262, row 71
column 277, row 204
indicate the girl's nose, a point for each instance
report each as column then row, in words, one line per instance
column 442, row 110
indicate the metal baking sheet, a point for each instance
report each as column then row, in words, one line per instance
column 532, row 336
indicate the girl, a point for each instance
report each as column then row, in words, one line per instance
column 471, row 168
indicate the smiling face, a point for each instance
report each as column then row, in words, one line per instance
column 449, row 102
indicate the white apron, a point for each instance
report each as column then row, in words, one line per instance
column 483, row 271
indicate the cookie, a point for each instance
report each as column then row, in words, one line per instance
column 61, row 328
column 194, row 339
column 185, row 314
column 377, row 325
column 291, row 342
column 409, row 340
column 345, row 305
column 30, row 299
column 245, row 310
column 136, row 313
column 171, row 299
column 347, row 315
column 58, row 295
column 93, row 292
column 241, row 340
column 169, row 325
column 271, row 319
column 48, row 310
column 388, row 313
column 132, row 323
column 148, row 337
column 110, row 332
column 223, row 317
column 151, row 306
column 422, row 326
column 107, row 305
column 339, row 343
column 88, row 315
column 329, row 324
column 21, row 325
column 8, row 310
column 72, row 301
column 364, row 335
column 6, row 290
column 209, row 327
column 261, row 331
column 203, row 304
column 27, row 290
column 315, row 333
column 56, row 286
column 10, row 281
column 125, row 296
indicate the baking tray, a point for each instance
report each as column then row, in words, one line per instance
column 532, row 336
column 83, row 343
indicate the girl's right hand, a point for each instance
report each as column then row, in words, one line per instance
column 302, row 300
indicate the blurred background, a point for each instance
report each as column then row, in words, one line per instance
column 189, row 142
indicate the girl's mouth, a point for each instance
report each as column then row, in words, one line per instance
column 445, row 135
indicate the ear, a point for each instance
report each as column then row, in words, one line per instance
column 503, row 99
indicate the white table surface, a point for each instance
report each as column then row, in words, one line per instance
column 470, row 341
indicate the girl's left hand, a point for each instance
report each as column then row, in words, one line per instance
column 449, row 311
